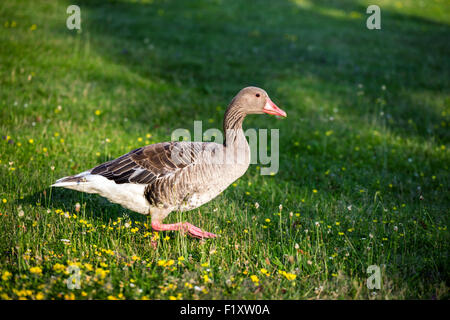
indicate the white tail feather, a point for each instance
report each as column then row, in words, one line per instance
column 129, row 195
column 64, row 184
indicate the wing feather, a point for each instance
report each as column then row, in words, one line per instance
column 150, row 163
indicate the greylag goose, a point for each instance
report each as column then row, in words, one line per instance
column 179, row 175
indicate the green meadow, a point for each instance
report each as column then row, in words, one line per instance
column 364, row 156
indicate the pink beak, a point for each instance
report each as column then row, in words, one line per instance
column 271, row 108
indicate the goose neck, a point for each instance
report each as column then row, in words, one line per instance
column 232, row 125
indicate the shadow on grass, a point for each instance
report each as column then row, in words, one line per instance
column 208, row 50
column 93, row 206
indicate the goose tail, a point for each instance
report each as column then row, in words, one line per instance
column 72, row 180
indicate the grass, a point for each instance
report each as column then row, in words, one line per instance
column 364, row 152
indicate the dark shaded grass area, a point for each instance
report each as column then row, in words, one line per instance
column 213, row 47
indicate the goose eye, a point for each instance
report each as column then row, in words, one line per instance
column 257, row 95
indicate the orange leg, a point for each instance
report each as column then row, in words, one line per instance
column 183, row 226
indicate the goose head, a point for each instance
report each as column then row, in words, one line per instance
column 254, row 100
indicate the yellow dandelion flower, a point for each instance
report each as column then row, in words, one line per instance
column 169, row 263
column 265, row 272
column 36, row 270
column 290, row 276
column 101, row 273
column 33, row 27
column 6, row 275
column 59, row 268
column 98, row 112
column 31, row 141
column 254, row 278
column 161, row 262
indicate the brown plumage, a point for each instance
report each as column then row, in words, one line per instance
column 163, row 177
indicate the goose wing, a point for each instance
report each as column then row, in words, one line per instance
column 150, row 163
